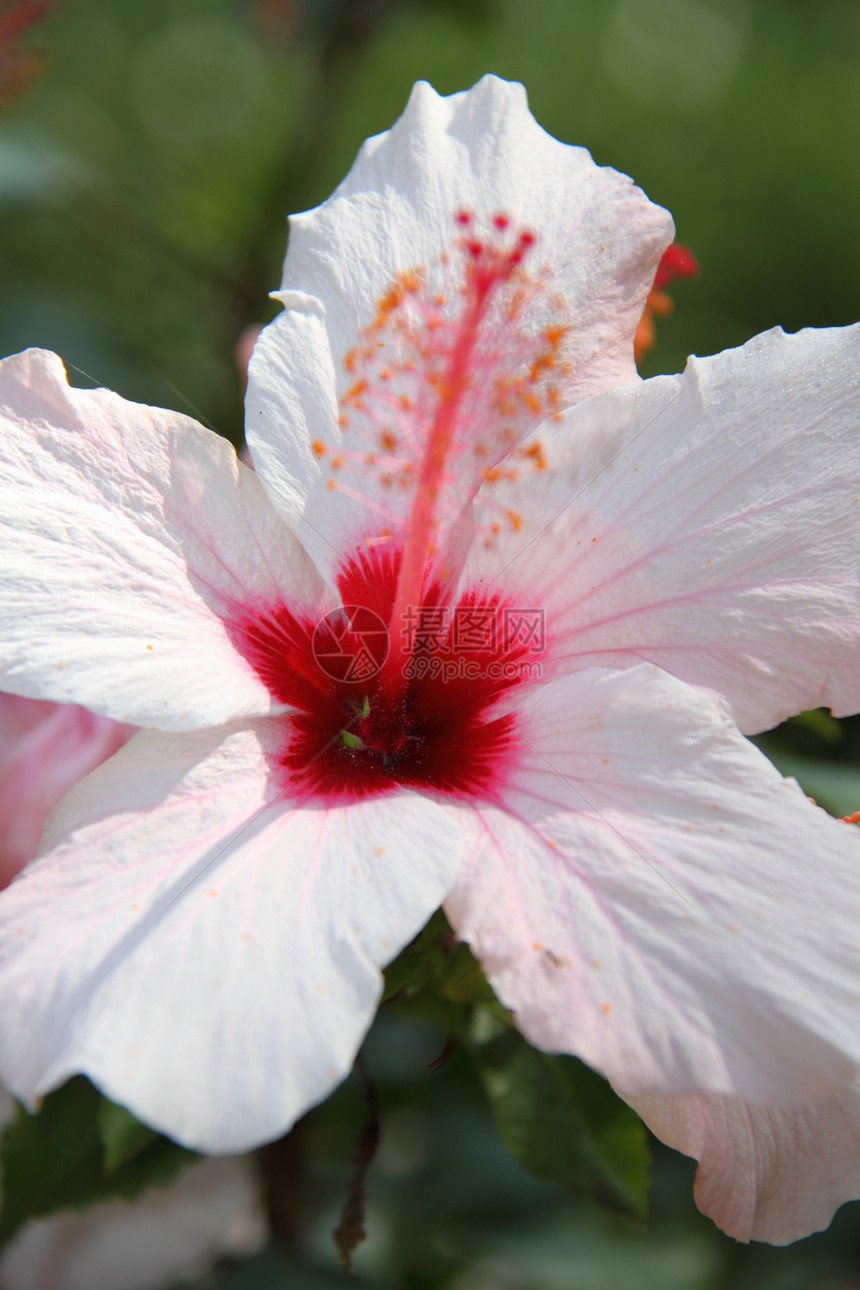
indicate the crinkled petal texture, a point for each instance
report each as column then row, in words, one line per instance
column 652, row 896
column 765, row 1173
column 130, row 538
column 708, row 523
column 202, row 945
column 598, row 244
column 44, row 749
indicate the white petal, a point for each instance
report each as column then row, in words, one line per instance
column 709, row 523
column 765, row 1173
column 130, row 538
column 204, row 947
column 212, row 1210
column 653, row 897
column 597, row 235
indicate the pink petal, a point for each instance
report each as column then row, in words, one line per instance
column 482, row 153
column 44, row 749
column 707, row 523
column 205, row 947
column 129, row 538
column 651, row 895
column 765, row 1173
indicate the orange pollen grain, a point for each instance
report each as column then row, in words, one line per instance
column 497, row 473
column 459, row 361
column 534, row 453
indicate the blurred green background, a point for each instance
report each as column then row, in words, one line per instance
column 147, row 166
column 147, row 170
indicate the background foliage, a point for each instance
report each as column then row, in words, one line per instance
column 146, row 169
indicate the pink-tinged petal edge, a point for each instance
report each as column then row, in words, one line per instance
column 44, row 749
column 765, row 1173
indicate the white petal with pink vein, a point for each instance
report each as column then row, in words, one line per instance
column 127, row 535
column 707, row 523
column 196, row 939
column 651, row 895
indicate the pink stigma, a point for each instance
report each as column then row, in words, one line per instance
column 461, row 360
column 459, row 364
column 678, row 261
column 489, row 267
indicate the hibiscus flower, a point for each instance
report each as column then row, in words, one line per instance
column 484, row 628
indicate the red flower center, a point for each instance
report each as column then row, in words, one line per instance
column 350, row 736
column 400, row 686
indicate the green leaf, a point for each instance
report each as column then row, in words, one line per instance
column 436, row 964
column 76, row 1150
column 409, row 971
column 819, row 722
column 462, row 979
column 268, row 1270
column 123, row 1137
column 834, row 785
column 560, row 1121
